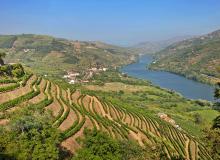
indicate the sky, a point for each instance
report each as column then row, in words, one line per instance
column 124, row 22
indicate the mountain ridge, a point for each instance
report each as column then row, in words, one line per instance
column 197, row 58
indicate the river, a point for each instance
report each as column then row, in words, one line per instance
column 188, row 88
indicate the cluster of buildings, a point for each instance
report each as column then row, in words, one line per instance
column 166, row 118
column 83, row 77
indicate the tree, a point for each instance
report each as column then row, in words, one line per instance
column 29, row 135
column 217, row 96
column 216, row 124
column 198, row 118
column 2, row 55
column 98, row 146
column 212, row 136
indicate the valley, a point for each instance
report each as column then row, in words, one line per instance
column 196, row 58
column 109, row 80
column 74, row 109
column 96, row 94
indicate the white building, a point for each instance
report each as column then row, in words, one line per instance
column 72, row 81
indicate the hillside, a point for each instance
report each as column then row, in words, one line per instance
column 196, row 58
column 124, row 108
column 56, row 55
column 153, row 47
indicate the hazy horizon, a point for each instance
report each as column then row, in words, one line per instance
column 116, row 21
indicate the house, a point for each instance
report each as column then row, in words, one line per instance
column 73, row 74
column 93, row 69
column 72, row 81
column 66, row 76
column 26, row 50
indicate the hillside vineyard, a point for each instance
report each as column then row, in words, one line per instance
column 73, row 111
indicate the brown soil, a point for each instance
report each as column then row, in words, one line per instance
column 64, row 94
column 54, row 107
column 192, row 149
column 42, row 85
column 136, row 137
column 99, row 109
column 7, row 96
column 187, row 149
column 3, row 122
column 70, row 143
column 68, row 122
column 75, row 95
column 6, row 84
column 41, row 96
column 86, row 102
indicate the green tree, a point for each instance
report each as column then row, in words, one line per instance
column 198, row 118
column 98, row 146
column 29, row 135
column 2, row 55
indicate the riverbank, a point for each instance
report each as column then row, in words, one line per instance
column 189, row 75
column 188, row 88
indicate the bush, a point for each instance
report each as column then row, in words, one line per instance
column 14, row 70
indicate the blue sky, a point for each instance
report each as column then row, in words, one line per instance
column 114, row 21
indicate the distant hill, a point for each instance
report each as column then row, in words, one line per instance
column 196, row 58
column 54, row 55
column 153, row 47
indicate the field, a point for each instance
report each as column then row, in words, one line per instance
column 121, row 110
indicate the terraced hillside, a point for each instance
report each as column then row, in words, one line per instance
column 196, row 58
column 74, row 111
column 57, row 55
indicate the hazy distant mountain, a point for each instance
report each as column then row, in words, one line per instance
column 196, row 58
column 153, row 47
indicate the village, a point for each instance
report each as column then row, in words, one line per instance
column 74, row 76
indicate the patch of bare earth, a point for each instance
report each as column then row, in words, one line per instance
column 4, row 122
column 70, row 143
column 68, row 122
column 137, row 137
column 75, row 96
column 99, row 109
column 55, row 106
column 6, row 84
column 41, row 96
column 86, row 101
column 7, row 96
column 193, row 149
column 187, row 149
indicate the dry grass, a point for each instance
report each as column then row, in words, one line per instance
column 116, row 86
